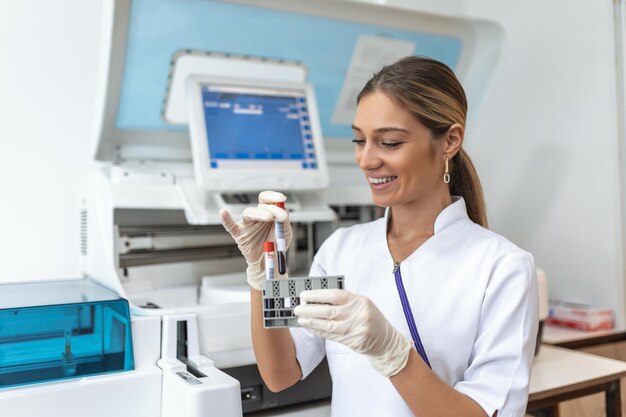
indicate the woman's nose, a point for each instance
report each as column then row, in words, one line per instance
column 367, row 158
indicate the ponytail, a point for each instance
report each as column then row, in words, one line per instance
column 465, row 183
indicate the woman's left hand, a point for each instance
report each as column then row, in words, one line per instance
column 356, row 322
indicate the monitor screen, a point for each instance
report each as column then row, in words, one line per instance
column 258, row 128
column 255, row 135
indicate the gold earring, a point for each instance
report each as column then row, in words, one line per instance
column 446, row 176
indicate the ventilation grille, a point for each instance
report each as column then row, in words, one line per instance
column 83, row 232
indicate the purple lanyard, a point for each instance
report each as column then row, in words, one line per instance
column 409, row 314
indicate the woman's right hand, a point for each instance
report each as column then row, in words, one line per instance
column 256, row 227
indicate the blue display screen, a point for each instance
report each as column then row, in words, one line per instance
column 243, row 125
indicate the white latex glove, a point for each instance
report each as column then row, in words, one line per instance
column 256, row 227
column 354, row 320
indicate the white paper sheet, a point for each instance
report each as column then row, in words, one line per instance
column 370, row 55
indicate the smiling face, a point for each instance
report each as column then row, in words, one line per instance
column 397, row 154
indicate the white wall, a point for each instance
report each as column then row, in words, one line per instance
column 547, row 146
column 48, row 71
column 545, row 143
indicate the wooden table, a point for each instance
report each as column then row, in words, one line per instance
column 577, row 339
column 560, row 374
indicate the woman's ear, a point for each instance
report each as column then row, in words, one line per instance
column 453, row 140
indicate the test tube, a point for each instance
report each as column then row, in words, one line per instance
column 268, row 257
column 281, row 244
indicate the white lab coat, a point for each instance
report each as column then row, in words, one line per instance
column 474, row 299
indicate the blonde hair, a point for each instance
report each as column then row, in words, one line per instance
column 430, row 91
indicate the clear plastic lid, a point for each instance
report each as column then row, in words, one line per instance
column 62, row 329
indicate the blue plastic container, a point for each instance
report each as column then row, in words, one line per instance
column 60, row 330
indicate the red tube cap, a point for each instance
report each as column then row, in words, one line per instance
column 268, row 246
column 280, row 204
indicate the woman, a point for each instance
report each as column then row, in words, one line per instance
column 439, row 314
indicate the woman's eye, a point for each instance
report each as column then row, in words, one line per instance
column 358, row 141
column 391, row 145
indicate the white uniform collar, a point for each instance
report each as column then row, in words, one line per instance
column 449, row 215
